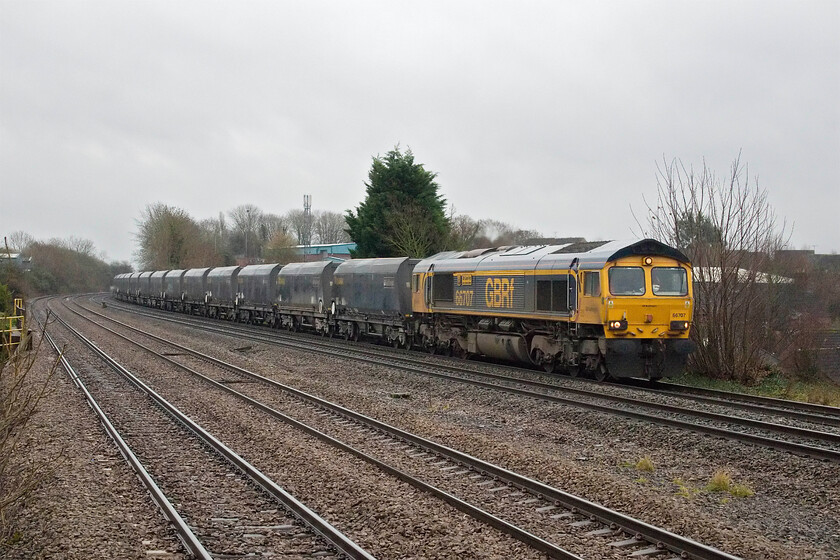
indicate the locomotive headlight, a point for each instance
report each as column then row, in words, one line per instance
column 679, row 325
column 617, row 325
column 648, row 261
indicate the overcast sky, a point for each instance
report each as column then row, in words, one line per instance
column 548, row 115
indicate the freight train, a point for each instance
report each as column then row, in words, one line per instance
column 600, row 309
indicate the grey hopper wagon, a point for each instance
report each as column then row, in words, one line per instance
column 134, row 284
column 173, row 285
column 195, row 285
column 375, row 287
column 121, row 284
column 156, row 283
column 222, row 285
column 306, row 286
column 144, row 285
column 258, row 285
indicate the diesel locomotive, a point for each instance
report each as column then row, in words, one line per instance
column 601, row 309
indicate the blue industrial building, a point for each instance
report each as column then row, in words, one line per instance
column 332, row 251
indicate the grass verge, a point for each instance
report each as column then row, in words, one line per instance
column 817, row 391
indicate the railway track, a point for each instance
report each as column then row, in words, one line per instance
column 168, row 451
column 461, row 473
column 804, row 412
column 815, row 439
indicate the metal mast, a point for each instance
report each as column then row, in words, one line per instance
column 307, row 224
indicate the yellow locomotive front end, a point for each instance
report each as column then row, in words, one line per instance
column 646, row 311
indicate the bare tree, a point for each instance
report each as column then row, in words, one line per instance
column 729, row 230
column 216, row 234
column 19, row 241
column 330, row 227
column 299, row 226
column 169, row 238
column 244, row 238
column 281, row 248
column 83, row 246
column 269, row 226
column 463, row 231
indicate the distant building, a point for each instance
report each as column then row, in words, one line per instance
column 326, row 251
column 800, row 261
column 18, row 260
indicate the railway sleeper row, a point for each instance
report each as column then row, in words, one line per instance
column 310, row 521
column 463, row 376
column 579, row 513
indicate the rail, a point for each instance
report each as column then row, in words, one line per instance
column 663, row 540
column 315, row 522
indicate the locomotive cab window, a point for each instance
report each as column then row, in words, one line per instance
column 591, row 284
column 669, row 281
column 415, row 283
column 627, row 281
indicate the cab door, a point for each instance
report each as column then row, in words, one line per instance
column 590, row 301
column 421, row 292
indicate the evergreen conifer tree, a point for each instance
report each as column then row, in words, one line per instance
column 403, row 214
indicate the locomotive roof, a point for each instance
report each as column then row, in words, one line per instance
column 592, row 255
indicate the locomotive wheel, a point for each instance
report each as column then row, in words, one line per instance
column 536, row 356
column 459, row 352
column 601, row 373
column 574, row 372
column 395, row 342
column 549, row 363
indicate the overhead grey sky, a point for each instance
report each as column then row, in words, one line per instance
column 548, row 115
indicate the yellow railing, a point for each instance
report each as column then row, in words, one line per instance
column 13, row 327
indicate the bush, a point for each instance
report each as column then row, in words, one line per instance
column 20, row 394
